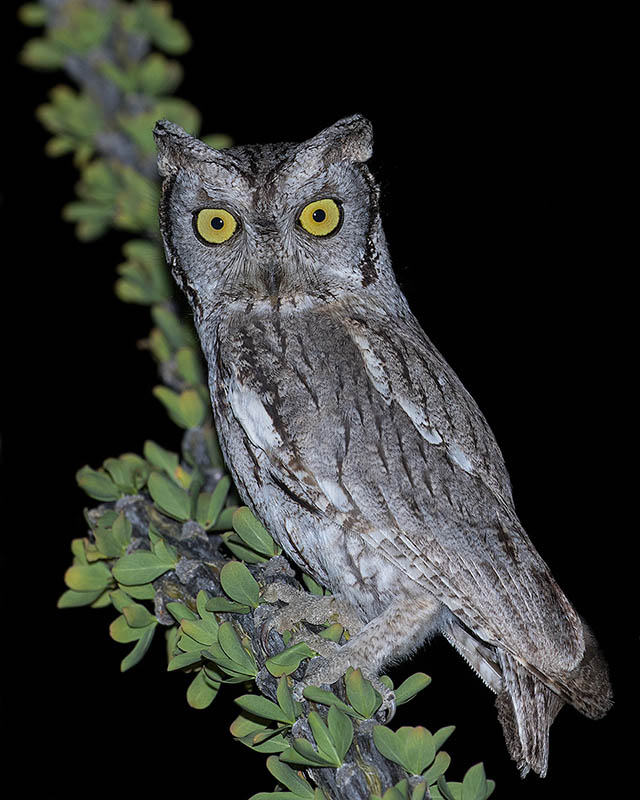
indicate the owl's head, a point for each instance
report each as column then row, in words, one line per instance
column 278, row 223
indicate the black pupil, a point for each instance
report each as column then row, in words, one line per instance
column 217, row 223
column 319, row 215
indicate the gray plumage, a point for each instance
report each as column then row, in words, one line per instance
column 348, row 434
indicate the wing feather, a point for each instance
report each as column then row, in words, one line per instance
column 411, row 467
column 473, row 549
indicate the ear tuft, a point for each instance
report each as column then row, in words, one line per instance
column 349, row 139
column 355, row 135
column 176, row 148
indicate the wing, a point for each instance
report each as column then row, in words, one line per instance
column 449, row 495
column 362, row 420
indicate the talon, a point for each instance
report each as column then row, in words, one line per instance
column 388, row 705
column 390, row 708
column 268, row 625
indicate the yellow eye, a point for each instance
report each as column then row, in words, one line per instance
column 321, row 217
column 215, row 225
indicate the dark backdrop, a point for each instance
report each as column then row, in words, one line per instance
column 501, row 156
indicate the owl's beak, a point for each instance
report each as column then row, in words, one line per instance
column 271, row 274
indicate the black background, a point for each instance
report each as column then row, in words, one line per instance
column 501, row 149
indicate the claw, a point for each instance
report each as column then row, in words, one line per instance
column 265, row 628
column 388, row 706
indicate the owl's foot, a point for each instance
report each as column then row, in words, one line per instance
column 331, row 665
column 315, row 609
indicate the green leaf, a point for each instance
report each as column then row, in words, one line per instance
column 418, row 748
column 420, row 791
column 239, row 583
column 78, row 550
column 224, row 521
column 474, row 783
column 289, row 660
column 74, row 599
column 257, row 735
column 409, row 688
column 121, row 530
column 447, row 789
column 302, row 752
column 285, row 699
column 93, row 578
column 136, row 471
column 312, row 586
column 97, row 484
column 176, row 332
column 142, row 566
column 119, row 599
column 171, row 401
column 155, row 20
column 234, row 543
column 33, row 14
column 441, row 736
column 226, row 606
column 137, row 615
column 169, row 498
column 200, row 631
column 361, row 694
column 439, row 767
column 189, row 366
column 231, row 645
column 179, row 611
column 389, row 744
column 324, row 740
column 189, row 645
column 266, row 740
column 317, row 695
column 161, row 459
column 192, row 410
column 252, row 532
column 144, row 591
column 341, row 730
column 42, row 54
column 211, row 505
column 201, row 691
column 106, row 543
column 158, row 75
column 262, row 707
column 289, row 778
column 397, row 792
column 164, row 551
column 118, row 471
column 202, row 598
column 144, row 276
column 121, row 631
column 182, row 660
column 141, row 647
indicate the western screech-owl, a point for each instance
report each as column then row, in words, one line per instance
column 348, row 434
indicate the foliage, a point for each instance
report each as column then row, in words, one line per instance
column 168, row 546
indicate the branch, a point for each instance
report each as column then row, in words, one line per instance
column 168, row 545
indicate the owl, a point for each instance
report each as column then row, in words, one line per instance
column 351, row 438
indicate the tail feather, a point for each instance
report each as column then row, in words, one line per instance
column 588, row 687
column 527, row 700
column 526, row 708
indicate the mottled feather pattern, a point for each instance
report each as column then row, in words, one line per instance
column 314, row 390
column 353, row 440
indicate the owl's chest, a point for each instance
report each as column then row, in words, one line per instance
column 282, row 398
column 280, row 384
